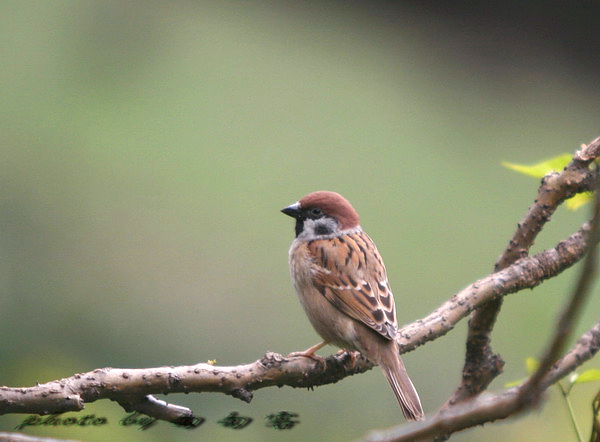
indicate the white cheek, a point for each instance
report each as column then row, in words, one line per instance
column 313, row 227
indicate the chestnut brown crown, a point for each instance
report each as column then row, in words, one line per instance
column 334, row 205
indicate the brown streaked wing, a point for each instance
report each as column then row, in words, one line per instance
column 349, row 272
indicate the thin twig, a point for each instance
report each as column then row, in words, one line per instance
column 583, row 350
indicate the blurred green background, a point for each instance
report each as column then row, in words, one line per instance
column 146, row 149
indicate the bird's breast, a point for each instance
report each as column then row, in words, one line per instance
column 330, row 323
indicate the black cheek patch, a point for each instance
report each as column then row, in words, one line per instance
column 322, row 229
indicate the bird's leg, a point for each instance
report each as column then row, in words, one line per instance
column 310, row 352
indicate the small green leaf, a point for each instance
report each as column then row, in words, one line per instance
column 591, row 375
column 579, row 200
column 514, row 383
column 532, row 365
column 554, row 164
column 539, row 170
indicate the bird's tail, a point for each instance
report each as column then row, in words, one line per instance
column 406, row 394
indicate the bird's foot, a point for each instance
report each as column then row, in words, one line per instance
column 310, row 353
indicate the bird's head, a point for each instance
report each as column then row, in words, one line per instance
column 322, row 214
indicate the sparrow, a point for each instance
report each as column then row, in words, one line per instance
column 342, row 284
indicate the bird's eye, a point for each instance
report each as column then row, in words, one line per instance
column 316, row 212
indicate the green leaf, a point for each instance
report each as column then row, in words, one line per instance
column 554, row 164
column 579, row 200
column 532, row 365
column 539, row 170
column 591, row 375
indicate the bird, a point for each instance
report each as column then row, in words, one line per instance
column 342, row 284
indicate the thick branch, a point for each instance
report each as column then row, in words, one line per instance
column 131, row 387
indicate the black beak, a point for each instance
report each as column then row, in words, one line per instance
column 292, row 210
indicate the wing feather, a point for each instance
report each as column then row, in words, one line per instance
column 349, row 272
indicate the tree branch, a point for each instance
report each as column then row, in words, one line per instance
column 525, row 273
column 482, row 365
column 584, row 350
column 567, row 320
column 132, row 388
column 488, row 407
